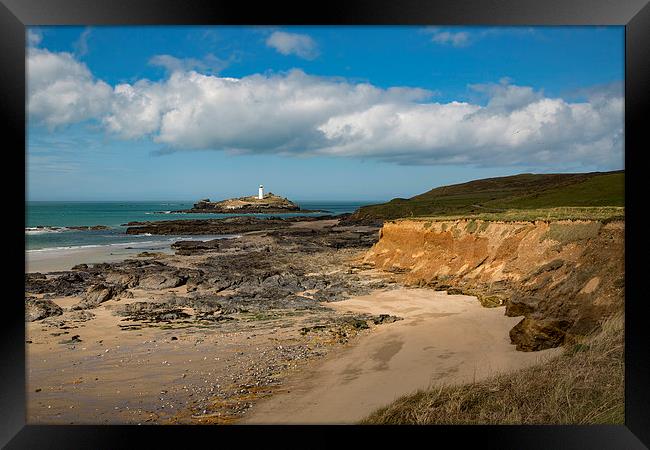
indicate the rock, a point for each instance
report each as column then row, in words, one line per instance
column 269, row 204
column 150, row 312
column 60, row 285
column 548, row 267
column 195, row 247
column 38, row 309
column 491, row 301
column 149, row 254
column 126, row 280
column 539, row 334
column 73, row 340
column 99, row 294
column 385, row 318
column 230, row 225
column 521, row 305
column 161, row 280
column 35, row 276
column 358, row 324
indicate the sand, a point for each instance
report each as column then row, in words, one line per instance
column 56, row 259
column 161, row 374
column 443, row 339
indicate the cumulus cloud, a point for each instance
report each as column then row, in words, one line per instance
column 505, row 97
column 540, row 133
column 61, row 90
column 300, row 45
column 297, row 113
column 275, row 113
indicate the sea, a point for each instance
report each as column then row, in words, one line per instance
column 47, row 223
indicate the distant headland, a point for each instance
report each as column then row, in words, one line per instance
column 268, row 203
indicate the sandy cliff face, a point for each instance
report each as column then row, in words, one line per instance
column 563, row 277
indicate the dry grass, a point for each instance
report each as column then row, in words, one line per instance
column 600, row 213
column 584, row 385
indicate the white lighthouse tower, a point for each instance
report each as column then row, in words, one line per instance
column 260, row 193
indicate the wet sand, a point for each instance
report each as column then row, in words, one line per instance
column 57, row 260
column 443, row 339
column 166, row 374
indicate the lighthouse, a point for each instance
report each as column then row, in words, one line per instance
column 260, row 193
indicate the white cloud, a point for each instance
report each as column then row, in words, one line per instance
column 208, row 64
column 447, row 37
column 300, row 45
column 81, row 45
column 34, row 37
column 277, row 113
column 296, row 113
column 505, row 97
column 62, row 90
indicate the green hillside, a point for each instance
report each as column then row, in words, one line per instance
column 492, row 195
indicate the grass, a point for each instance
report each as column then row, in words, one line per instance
column 603, row 190
column 495, row 195
column 584, row 385
column 565, row 234
column 601, row 213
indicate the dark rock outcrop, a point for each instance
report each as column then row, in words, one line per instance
column 162, row 280
column 230, row 225
column 538, row 334
column 38, row 309
column 97, row 295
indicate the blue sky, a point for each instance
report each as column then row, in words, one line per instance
column 315, row 113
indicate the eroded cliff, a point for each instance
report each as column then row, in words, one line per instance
column 564, row 277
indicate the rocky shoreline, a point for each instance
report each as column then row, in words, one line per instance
column 277, row 275
column 223, row 323
column 230, row 225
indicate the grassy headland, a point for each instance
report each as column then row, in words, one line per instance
column 497, row 197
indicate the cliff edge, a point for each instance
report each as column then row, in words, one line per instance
column 563, row 277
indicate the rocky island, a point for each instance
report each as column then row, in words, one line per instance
column 261, row 204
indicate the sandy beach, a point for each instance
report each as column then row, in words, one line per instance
column 443, row 339
column 166, row 374
column 282, row 325
column 52, row 260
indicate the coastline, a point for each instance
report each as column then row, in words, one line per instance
column 216, row 331
column 57, row 259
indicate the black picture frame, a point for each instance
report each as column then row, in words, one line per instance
column 633, row 14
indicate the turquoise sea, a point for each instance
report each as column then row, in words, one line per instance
column 56, row 216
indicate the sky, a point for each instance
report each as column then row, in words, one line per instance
column 364, row 113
